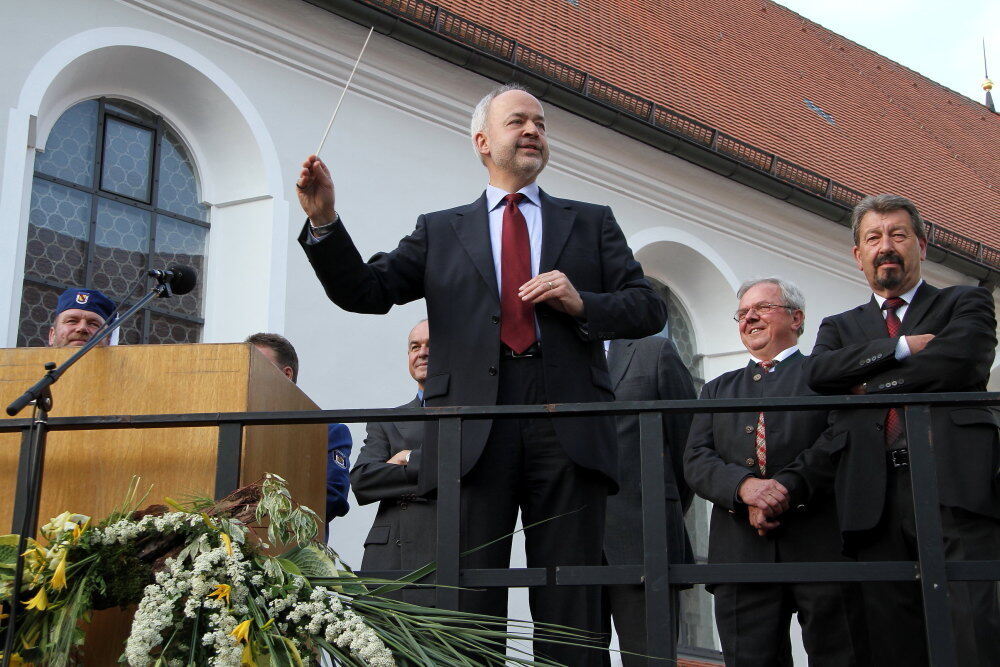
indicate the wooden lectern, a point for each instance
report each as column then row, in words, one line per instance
column 88, row 472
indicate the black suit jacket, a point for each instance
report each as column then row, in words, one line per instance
column 854, row 347
column 648, row 370
column 721, row 453
column 448, row 261
column 402, row 535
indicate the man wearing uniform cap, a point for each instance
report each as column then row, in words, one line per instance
column 79, row 315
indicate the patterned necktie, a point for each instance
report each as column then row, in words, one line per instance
column 517, row 318
column 766, row 366
column 893, row 420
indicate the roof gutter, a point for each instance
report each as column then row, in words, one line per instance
column 420, row 24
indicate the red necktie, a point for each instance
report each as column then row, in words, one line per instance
column 517, row 318
column 761, row 442
column 893, row 420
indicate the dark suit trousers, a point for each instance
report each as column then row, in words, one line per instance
column 895, row 609
column 753, row 622
column 523, row 465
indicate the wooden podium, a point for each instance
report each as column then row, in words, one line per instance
column 88, row 472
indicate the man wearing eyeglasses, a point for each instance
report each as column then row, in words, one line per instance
column 911, row 337
column 769, row 478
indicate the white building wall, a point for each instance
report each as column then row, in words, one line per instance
column 250, row 85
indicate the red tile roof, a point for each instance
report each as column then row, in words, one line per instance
column 745, row 67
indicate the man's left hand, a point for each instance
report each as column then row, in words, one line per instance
column 399, row 458
column 760, row 521
column 555, row 289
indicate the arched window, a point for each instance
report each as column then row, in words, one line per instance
column 114, row 194
column 680, row 332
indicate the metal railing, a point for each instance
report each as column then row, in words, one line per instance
column 656, row 574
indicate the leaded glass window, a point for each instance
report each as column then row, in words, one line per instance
column 114, row 194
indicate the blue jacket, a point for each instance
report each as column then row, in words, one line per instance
column 338, row 465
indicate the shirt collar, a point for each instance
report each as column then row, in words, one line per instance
column 907, row 296
column 495, row 194
column 781, row 356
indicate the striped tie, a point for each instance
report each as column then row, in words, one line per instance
column 761, row 441
column 893, row 420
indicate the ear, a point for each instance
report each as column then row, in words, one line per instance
column 482, row 143
column 287, row 370
column 857, row 258
column 52, row 335
column 923, row 249
column 798, row 317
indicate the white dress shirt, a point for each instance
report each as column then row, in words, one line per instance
column 781, row 356
column 902, row 347
column 531, row 209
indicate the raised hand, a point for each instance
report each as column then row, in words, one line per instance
column 316, row 194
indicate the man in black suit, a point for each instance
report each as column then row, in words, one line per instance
column 521, row 288
column 769, row 478
column 648, row 369
column 402, row 535
column 910, row 338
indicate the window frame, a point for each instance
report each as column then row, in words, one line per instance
column 158, row 128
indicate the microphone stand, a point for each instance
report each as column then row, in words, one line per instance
column 29, row 472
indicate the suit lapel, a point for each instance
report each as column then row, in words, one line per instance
column 869, row 317
column 472, row 226
column 922, row 300
column 410, row 431
column 557, row 223
column 619, row 357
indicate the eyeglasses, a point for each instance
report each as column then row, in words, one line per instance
column 761, row 308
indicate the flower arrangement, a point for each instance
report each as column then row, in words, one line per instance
column 210, row 592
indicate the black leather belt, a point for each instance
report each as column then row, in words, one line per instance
column 534, row 351
column 898, row 458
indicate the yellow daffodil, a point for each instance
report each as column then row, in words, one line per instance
column 242, row 631
column 40, row 601
column 228, row 542
column 15, row 658
column 59, row 578
column 221, row 591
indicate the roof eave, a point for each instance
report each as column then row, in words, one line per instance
column 605, row 115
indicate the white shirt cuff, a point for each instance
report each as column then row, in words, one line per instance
column 902, row 349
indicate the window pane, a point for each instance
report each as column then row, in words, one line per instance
column 69, row 150
column 167, row 329
column 177, row 191
column 127, row 159
column 182, row 243
column 120, row 256
column 130, row 110
column 38, row 304
column 130, row 333
column 57, row 233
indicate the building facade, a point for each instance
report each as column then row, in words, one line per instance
column 138, row 133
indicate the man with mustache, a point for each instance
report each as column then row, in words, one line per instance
column 521, row 290
column 912, row 337
column 79, row 315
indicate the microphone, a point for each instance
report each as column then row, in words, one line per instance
column 182, row 278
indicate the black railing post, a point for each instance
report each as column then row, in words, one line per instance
column 661, row 642
column 449, row 507
column 930, row 537
column 229, row 459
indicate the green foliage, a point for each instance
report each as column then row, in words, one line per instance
column 286, row 521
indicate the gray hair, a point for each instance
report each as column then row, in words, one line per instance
column 482, row 110
column 790, row 294
column 886, row 203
